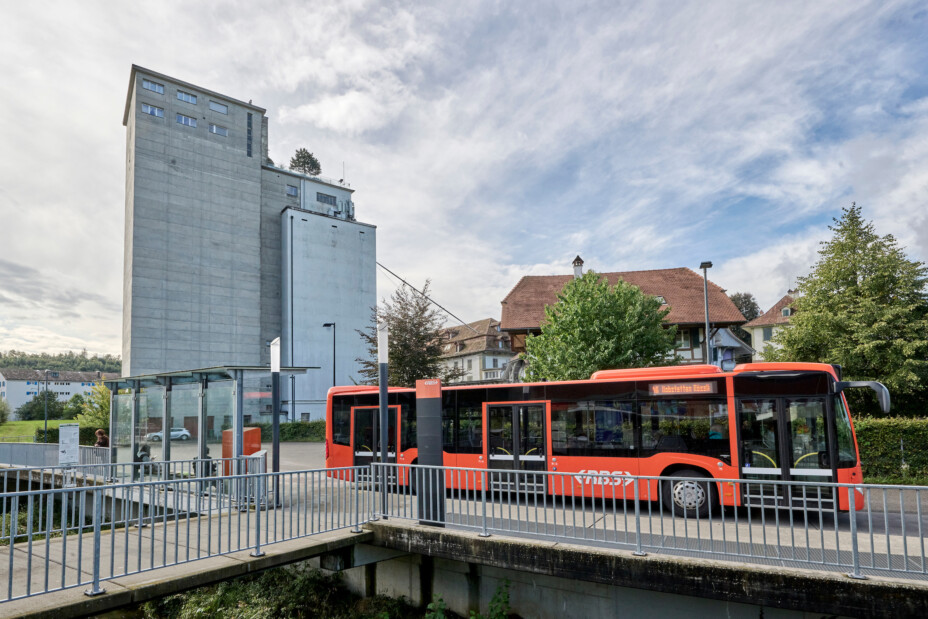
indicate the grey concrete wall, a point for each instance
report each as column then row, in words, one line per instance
column 193, row 246
column 328, row 276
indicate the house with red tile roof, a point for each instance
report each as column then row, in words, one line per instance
column 680, row 290
column 765, row 326
column 479, row 349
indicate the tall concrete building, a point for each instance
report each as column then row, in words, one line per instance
column 224, row 251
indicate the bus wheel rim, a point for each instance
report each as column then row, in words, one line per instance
column 689, row 494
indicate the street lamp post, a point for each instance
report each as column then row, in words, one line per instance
column 46, row 406
column 705, row 266
column 332, row 324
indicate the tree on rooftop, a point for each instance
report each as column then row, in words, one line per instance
column 305, row 162
column 415, row 340
column 595, row 326
column 864, row 307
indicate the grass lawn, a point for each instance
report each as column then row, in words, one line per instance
column 26, row 428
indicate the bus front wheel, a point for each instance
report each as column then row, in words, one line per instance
column 687, row 497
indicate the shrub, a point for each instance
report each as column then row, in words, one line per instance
column 892, row 447
column 294, row 431
column 86, row 435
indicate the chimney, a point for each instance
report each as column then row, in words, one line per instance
column 578, row 267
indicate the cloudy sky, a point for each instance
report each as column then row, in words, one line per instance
column 486, row 140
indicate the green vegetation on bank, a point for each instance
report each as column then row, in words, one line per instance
column 293, row 591
column 26, row 428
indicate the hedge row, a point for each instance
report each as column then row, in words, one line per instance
column 295, row 431
column 86, row 436
column 888, row 442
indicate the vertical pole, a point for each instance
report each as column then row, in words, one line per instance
column 705, row 266
column 97, row 518
column 45, row 434
column 166, row 421
column 383, row 358
column 638, row 552
column 484, row 532
column 133, row 423
column 275, row 412
column 114, row 419
column 855, row 552
column 255, row 479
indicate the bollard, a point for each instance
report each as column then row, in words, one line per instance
column 638, row 552
column 97, row 519
column 855, row 553
column 484, row 533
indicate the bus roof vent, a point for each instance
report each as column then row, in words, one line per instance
column 655, row 373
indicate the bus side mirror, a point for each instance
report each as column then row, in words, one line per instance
column 882, row 393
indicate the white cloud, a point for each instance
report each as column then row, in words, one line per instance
column 488, row 141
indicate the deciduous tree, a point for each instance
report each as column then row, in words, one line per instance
column 595, row 326
column 35, row 408
column 415, row 343
column 747, row 305
column 864, row 307
column 96, row 408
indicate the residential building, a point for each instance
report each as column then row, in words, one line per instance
column 679, row 289
column 479, row 349
column 765, row 326
column 224, row 251
column 19, row 386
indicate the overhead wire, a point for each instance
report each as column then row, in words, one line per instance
column 427, row 298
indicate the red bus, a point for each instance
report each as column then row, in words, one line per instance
column 757, row 422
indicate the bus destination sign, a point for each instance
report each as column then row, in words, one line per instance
column 701, row 388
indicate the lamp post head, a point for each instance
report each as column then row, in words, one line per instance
column 328, row 324
column 705, row 265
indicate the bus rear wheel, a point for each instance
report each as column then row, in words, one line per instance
column 687, row 497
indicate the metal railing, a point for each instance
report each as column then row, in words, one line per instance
column 82, row 536
column 46, row 454
column 95, row 470
column 795, row 524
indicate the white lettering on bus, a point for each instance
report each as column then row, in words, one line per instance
column 599, row 478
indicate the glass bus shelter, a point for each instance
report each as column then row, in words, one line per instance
column 182, row 415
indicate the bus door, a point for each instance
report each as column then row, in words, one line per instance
column 516, row 442
column 785, row 439
column 365, row 434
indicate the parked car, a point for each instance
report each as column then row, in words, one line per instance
column 177, row 434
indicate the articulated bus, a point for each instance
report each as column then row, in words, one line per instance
column 757, row 422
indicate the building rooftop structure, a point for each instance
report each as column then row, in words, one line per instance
column 776, row 314
column 681, row 289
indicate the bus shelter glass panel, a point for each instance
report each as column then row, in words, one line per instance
column 218, row 417
column 121, row 439
column 256, row 399
column 184, row 415
column 149, row 432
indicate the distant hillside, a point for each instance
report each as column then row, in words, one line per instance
column 72, row 361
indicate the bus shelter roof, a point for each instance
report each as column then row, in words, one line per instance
column 223, row 372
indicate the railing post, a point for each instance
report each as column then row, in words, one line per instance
column 256, row 480
column 855, row 552
column 484, row 532
column 638, row 552
column 97, row 520
column 357, row 502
